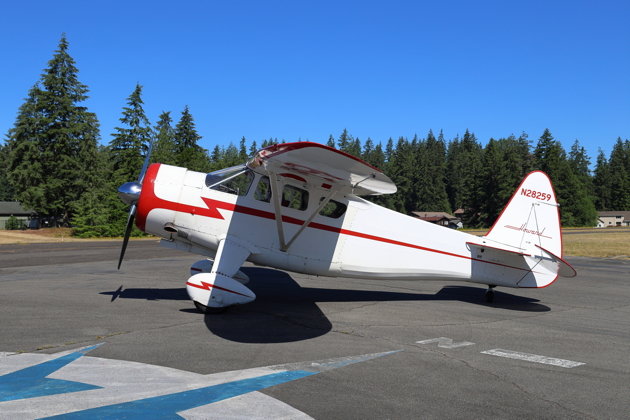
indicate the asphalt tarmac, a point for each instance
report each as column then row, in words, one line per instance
column 438, row 350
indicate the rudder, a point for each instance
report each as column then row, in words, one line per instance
column 531, row 219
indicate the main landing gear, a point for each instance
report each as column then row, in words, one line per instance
column 490, row 293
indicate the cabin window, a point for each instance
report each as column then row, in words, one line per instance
column 333, row 209
column 263, row 190
column 294, row 198
column 235, row 180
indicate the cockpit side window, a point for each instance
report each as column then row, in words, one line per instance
column 294, row 198
column 235, row 180
column 263, row 190
column 333, row 209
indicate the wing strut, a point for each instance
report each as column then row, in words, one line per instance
column 275, row 196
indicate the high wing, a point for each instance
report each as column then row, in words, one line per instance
column 323, row 167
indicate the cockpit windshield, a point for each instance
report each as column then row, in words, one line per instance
column 235, row 180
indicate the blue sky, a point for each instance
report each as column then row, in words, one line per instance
column 307, row 69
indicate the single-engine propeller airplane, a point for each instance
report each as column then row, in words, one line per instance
column 296, row 206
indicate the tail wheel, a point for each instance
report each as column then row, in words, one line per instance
column 490, row 294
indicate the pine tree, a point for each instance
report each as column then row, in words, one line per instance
column 400, row 169
column 620, row 169
column 100, row 212
column 189, row 154
column 253, row 149
column 164, row 146
column 576, row 206
column 6, row 190
column 25, row 173
column 602, row 182
column 242, row 151
column 130, row 143
column 331, row 141
column 492, row 183
column 57, row 139
column 470, row 155
column 436, row 198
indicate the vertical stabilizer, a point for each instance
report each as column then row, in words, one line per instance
column 531, row 219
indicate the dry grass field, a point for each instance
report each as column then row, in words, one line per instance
column 599, row 243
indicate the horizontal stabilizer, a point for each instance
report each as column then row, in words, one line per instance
column 484, row 246
column 555, row 264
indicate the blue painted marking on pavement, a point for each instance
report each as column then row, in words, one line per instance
column 31, row 382
column 165, row 407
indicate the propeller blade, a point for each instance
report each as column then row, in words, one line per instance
column 130, row 193
column 146, row 163
column 132, row 214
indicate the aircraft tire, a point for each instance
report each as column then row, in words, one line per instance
column 489, row 296
column 208, row 310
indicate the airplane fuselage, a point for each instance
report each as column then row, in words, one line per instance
column 366, row 241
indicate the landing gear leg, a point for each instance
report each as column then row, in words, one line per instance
column 490, row 293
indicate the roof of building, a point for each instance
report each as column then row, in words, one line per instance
column 625, row 214
column 423, row 214
column 8, row 208
column 433, row 218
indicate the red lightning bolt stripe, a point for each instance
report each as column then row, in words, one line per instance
column 208, row 286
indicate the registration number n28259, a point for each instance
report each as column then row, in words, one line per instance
column 535, row 194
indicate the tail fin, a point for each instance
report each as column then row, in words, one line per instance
column 531, row 219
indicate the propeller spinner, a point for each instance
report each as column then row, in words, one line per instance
column 129, row 193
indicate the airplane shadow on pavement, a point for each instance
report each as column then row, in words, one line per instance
column 286, row 312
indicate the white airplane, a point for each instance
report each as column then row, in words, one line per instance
column 296, row 207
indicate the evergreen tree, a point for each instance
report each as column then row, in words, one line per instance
column 331, row 141
column 345, row 141
column 130, row 144
column 231, row 156
column 242, row 151
column 56, row 140
column 434, row 177
column 579, row 163
column 464, row 168
column 23, row 161
column 127, row 151
column 454, row 162
column 389, row 153
column 253, row 149
column 492, row 184
column 100, row 213
column 620, row 169
column 6, row 190
column 189, row 154
column 216, row 159
column 602, row 182
column 164, row 146
column 400, row 169
column 576, row 206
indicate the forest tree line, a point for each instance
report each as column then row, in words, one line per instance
column 53, row 162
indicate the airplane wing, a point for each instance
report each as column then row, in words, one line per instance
column 323, row 166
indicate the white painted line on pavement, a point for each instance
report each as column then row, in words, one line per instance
column 445, row 342
column 533, row 358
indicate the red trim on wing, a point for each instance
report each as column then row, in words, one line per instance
column 299, row 178
column 278, row 149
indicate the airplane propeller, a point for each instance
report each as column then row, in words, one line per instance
column 129, row 193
